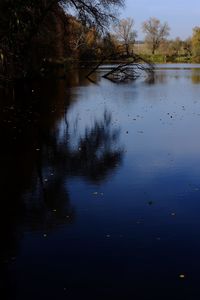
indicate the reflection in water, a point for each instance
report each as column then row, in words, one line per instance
column 161, row 76
column 195, row 76
column 36, row 163
column 95, row 155
column 76, row 226
column 157, row 78
column 93, row 158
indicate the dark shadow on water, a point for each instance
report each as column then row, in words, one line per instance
column 36, row 163
column 76, row 223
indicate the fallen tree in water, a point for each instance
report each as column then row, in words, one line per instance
column 130, row 68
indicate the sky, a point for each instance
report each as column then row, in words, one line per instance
column 181, row 15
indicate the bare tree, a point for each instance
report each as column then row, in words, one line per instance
column 125, row 33
column 98, row 12
column 155, row 33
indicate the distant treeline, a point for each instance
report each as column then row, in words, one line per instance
column 35, row 35
column 174, row 51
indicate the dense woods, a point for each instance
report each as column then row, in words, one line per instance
column 33, row 33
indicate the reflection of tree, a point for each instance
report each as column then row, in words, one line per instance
column 92, row 159
column 96, row 157
column 157, row 77
column 195, row 76
column 36, row 163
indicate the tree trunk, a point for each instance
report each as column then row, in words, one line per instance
column 127, row 49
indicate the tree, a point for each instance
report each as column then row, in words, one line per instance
column 109, row 46
column 77, row 37
column 176, row 46
column 24, row 23
column 155, row 33
column 125, row 33
column 83, row 40
column 196, row 44
column 187, row 47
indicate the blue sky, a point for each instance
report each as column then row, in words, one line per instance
column 181, row 15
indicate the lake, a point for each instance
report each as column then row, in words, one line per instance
column 100, row 187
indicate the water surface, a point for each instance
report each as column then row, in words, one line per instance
column 100, row 188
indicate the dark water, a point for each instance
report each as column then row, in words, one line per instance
column 100, row 188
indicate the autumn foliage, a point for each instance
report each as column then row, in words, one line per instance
column 33, row 33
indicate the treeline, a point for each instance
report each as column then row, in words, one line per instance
column 157, row 47
column 174, row 51
column 90, row 44
column 36, row 33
